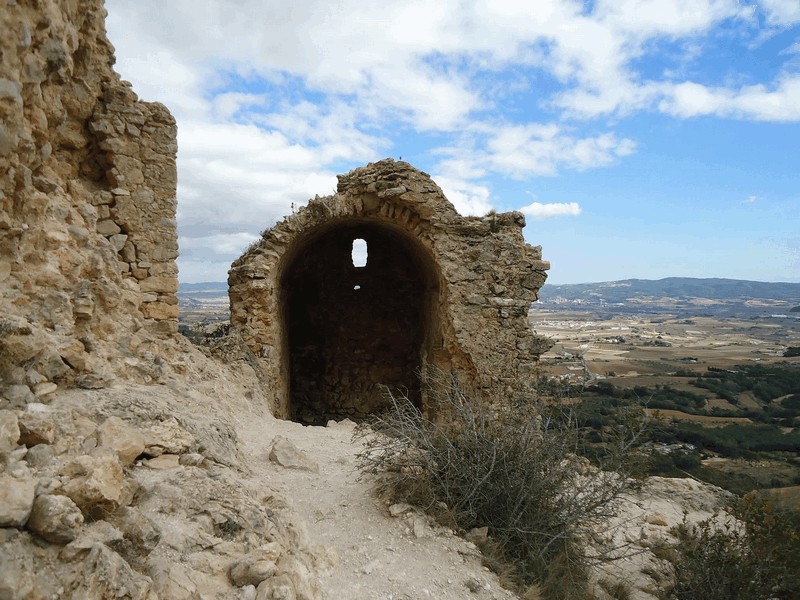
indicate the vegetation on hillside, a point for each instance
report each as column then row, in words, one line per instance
column 752, row 556
column 543, row 475
column 514, row 470
column 677, row 447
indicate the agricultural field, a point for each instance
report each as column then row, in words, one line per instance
column 722, row 398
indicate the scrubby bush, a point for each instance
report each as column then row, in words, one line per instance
column 515, row 470
column 754, row 556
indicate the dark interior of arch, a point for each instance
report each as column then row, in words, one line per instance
column 353, row 329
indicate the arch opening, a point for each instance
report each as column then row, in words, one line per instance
column 349, row 327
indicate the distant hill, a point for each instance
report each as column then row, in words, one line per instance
column 206, row 289
column 674, row 287
column 680, row 294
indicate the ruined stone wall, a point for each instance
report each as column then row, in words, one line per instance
column 478, row 279
column 88, row 236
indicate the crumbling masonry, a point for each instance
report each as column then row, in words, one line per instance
column 88, row 238
column 437, row 289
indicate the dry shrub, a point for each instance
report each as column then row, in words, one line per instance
column 753, row 556
column 515, row 470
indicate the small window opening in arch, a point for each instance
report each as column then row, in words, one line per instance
column 359, row 254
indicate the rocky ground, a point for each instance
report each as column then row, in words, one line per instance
column 189, row 488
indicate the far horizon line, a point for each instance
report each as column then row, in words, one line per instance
column 552, row 283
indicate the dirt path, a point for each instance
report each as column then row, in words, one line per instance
column 375, row 556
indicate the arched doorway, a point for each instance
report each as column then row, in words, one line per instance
column 355, row 321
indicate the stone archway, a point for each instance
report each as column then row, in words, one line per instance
column 439, row 289
column 351, row 329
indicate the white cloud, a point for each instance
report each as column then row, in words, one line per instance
column 750, row 199
column 534, row 149
column 228, row 105
column 205, row 269
column 782, row 13
column 468, row 198
column 538, row 210
column 236, row 177
column 231, row 243
column 414, row 59
column 781, row 103
column 272, row 97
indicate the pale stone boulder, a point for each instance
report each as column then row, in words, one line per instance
column 105, row 574
column 304, row 585
column 43, row 389
column 39, row 456
column 9, row 431
column 124, row 439
column 163, row 462
column 276, row 588
column 175, row 582
column 36, row 428
column 191, row 459
column 167, row 437
column 95, row 481
column 136, row 528
column 16, row 499
column 92, row 534
column 57, row 519
column 161, row 284
column 255, row 566
column 17, row 396
column 287, row 455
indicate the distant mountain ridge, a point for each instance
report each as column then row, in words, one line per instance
column 673, row 287
column 615, row 291
column 217, row 286
column 203, row 290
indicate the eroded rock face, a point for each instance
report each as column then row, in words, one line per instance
column 87, row 204
column 437, row 289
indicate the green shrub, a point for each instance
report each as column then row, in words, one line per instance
column 513, row 470
column 754, row 557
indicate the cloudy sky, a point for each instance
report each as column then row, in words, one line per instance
column 642, row 138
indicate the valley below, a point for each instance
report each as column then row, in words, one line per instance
column 703, row 358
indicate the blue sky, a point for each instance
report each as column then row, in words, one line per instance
column 642, row 138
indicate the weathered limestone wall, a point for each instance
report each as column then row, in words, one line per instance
column 477, row 279
column 88, row 236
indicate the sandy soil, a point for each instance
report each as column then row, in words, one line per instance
column 373, row 555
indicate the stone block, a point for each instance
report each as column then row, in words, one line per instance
column 122, row 438
column 36, row 428
column 255, row 566
column 57, row 519
column 16, row 499
column 95, row 481
column 163, row 284
column 9, row 431
column 167, row 437
column 286, row 454
column 160, row 311
column 107, row 227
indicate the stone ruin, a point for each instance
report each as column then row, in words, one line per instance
column 88, row 237
column 88, row 243
column 437, row 289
